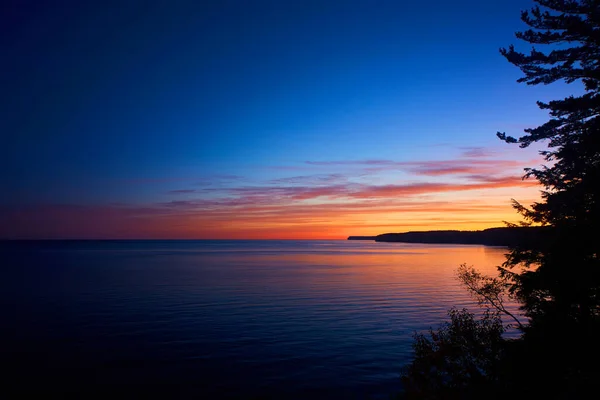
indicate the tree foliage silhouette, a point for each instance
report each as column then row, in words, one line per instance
column 565, row 279
column 489, row 292
column 459, row 360
column 557, row 280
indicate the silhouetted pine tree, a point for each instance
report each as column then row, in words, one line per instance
column 565, row 280
column 561, row 290
column 559, row 286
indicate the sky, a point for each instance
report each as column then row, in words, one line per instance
column 261, row 119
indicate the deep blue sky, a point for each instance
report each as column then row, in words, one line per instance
column 122, row 101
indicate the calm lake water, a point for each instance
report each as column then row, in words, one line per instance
column 191, row 319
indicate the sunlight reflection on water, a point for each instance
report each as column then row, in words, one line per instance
column 229, row 317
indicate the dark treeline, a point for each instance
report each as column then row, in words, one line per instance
column 506, row 236
column 556, row 280
column 509, row 236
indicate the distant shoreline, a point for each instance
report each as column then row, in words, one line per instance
column 504, row 236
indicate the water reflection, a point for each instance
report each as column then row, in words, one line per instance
column 238, row 316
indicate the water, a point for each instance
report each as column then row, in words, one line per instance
column 197, row 319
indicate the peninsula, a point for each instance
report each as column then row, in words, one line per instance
column 505, row 236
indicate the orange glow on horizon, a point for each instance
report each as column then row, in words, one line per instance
column 294, row 221
column 445, row 199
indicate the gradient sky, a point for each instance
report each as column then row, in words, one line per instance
column 260, row 119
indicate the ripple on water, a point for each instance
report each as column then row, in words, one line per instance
column 228, row 317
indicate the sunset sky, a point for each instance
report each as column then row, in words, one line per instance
column 261, row 119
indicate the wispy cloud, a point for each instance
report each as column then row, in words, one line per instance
column 332, row 199
column 477, row 151
column 182, row 191
column 315, row 179
column 354, row 162
column 432, row 168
